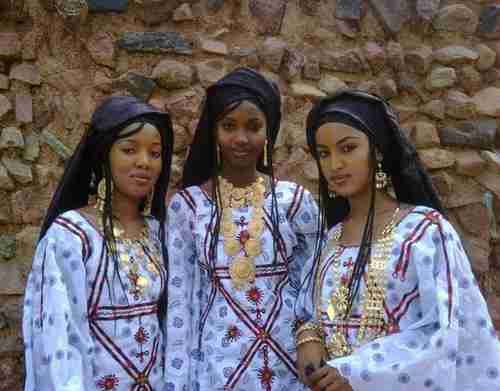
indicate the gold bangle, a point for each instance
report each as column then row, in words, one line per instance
column 310, row 326
column 309, row 339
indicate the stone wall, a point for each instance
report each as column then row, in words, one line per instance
column 435, row 60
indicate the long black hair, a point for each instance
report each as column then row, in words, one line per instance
column 242, row 84
column 375, row 117
column 90, row 164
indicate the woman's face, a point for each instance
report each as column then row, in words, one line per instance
column 241, row 135
column 344, row 156
column 136, row 162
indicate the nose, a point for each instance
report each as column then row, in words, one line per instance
column 241, row 137
column 336, row 162
column 143, row 160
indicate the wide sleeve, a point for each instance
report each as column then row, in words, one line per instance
column 304, row 223
column 58, row 344
column 452, row 347
column 181, row 322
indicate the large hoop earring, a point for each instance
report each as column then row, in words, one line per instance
column 264, row 160
column 101, row 194
column 380, row 178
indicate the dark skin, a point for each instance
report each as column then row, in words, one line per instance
column 241, row 136
column 135, row 167
column 344, row 157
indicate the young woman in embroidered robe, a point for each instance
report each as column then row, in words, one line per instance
column 237, row 241
column 388, row 302
column 94, row 299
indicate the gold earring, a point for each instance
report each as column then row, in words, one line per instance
column 217, row 155
column 380, row 178
column 264, row 161
column 101, row 194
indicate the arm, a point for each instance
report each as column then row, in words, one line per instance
column 310, row 350
column 180, row 328
column 57, row 338
column 304, row 223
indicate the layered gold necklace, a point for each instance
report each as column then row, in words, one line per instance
column 133, row 252
column 245, row 246
column 372, row 316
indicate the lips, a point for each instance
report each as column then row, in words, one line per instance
column 141, row 179
column 240, row 153
column 339, row 180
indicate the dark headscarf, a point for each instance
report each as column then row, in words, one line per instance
column 375, row 117
column 237, row 86
column 109, row 119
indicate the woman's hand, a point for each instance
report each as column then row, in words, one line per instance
column 309, row 355
column 328, row 379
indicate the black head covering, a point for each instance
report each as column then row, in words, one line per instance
column 375, row 117
column 113, row 115
column 237, row 86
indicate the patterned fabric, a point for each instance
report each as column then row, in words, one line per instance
column 440, row 334
column 83, row 330
column 220, row 338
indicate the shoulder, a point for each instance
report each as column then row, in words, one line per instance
column 424, row 222
column 71, row 230
column 290, row 192
column 189, row 198
column 294, row 198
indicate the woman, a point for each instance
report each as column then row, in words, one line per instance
column 94, row 299
column 389, row 301
column 237, row 240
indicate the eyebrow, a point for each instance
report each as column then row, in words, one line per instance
column 347, row 138
column 131, row 140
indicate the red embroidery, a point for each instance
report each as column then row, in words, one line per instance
column 142, row 336
column 266, row 375
column 109, row 382
column 233, row 334
column 348, row 263
column 254, row 295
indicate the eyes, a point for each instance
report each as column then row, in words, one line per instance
column 154, row 154
column 253, row 126
column 324, row 153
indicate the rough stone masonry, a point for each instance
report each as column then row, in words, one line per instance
column 437, row 61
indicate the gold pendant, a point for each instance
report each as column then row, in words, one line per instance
column 232, row 247
column 252, row 247
column 338, row 346
column 242, row 272
column 338, row 303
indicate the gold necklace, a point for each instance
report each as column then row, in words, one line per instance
column 143, row 252
column 373, row 297
column 245, row 246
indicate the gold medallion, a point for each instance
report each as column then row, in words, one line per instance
column 232, row 247
column 242, row 272
column 252, row 247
